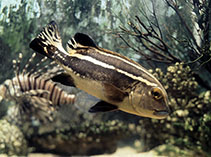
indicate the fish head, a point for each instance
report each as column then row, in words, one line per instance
column 4, row 90
column 7, row 90
column 2, row 93
column 150, row 101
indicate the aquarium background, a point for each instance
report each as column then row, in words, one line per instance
column 172, row 38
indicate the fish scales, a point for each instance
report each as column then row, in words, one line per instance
column 116, row 65
column 117, row 80
column 120, row 63
column 95, row 68
column 90, row 70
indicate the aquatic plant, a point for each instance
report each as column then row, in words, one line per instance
column 188, row 127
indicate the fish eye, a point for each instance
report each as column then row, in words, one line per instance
column 156, row 93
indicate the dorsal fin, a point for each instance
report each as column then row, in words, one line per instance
column 45, row 71
column 28, row 63
column 16, row 67
column 80, row 40
column 84, row 39
column 36, row 68
column 51, row 70
column 16, row 64
column 39, row 68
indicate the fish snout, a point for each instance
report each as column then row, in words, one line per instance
column 163, row 113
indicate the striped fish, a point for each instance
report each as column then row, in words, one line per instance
column 34, row 93
column 118, row 81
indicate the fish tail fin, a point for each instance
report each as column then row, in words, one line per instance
column 48, row 41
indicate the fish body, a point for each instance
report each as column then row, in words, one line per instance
column 118, row 81
column 34, row 94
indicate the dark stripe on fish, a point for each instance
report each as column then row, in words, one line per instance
column 98, row 73
column 52, row 90
column 59, row 97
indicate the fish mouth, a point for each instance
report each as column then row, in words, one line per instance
column 161, row 113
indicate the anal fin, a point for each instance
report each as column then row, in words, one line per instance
column 103, row 106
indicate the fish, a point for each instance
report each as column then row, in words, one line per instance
column 119, row 82
column 33, row 92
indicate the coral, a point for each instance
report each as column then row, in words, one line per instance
column 12, row 141
column 188, row 127
column 172, row 151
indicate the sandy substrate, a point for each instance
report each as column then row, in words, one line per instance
column 128, row 152
column 121, row 152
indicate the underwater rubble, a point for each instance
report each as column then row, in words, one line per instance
column 12, row 140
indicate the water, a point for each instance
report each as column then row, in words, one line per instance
column 159, row 36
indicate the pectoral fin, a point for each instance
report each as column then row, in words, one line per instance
column 103, row 106
column 113, row 93
column 64, row 79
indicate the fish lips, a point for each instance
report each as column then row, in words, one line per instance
column 160, row 114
